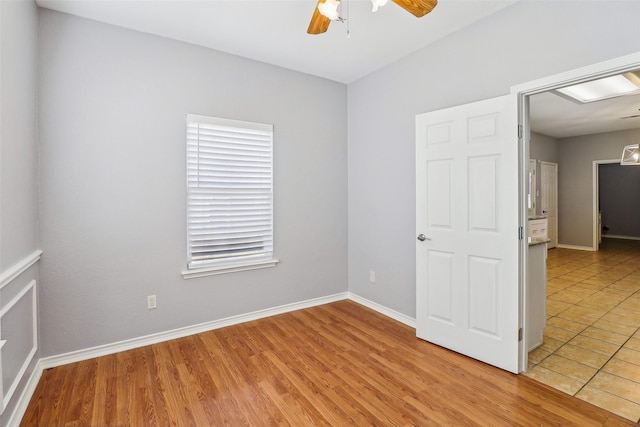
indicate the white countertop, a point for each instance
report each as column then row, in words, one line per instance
column 537, row 241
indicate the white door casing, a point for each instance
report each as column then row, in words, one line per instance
column 549, row 199
column 467, row 199
column 532, row 188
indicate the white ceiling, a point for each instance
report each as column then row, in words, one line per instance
column 556, row 116
column 275, row 31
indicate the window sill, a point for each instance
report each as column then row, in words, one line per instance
column 227, row 268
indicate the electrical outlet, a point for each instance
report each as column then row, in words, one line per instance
column 151, row 302
column 372, row 276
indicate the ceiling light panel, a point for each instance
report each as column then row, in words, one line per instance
column 596, row 90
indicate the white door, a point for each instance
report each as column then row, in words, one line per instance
column 549, row 199
column 467, row 287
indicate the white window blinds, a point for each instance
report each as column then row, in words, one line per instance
column 230, row 191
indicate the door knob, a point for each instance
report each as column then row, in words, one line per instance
column 422, row 237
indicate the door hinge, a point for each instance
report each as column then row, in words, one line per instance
column 520, row 233
column 519, row 131
column 520, row 334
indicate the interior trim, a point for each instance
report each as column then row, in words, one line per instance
column 103, row 350
column 20, row 267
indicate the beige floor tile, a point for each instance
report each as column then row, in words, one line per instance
column 614, row 384
column 631, row 314
column 615, row 327
column 616, row 294
column 555, row 380
column 626, row 285
column 551, row 290
column 551, row 344
column 604, row 335
column 556, row 307
column 583, row 355
column 558, row 333
column 569, row 368
column 623, row 369
column 562, row 282
column 580, row 314
column 594, row 344
column 568, row 325
column 595, row 280
column 587, row 287
column 566, row 296
column 621, row 319
column 594, row 304
column 597, row 296
column 538, row 355
column 633, row 344
column 610, row 402
column 556, row 273
column 631, row 304
column 628, row 355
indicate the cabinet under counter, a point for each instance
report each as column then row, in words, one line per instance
column 536, row 292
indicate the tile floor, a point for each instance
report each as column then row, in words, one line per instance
column 591, row 346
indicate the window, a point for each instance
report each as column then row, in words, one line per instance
column 230, row 196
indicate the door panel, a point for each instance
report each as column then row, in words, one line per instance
column 441, row 297
column 440, row 174
column 483, row 193
column 467, row 206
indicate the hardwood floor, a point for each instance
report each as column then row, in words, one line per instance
column 336, row 364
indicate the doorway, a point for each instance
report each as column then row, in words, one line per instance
column 438, row 136
column 586, row 290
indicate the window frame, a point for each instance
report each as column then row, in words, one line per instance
column 196, row 190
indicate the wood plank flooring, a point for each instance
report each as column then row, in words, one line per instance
column 332, row 365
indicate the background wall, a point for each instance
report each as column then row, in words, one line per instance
column 575, row 181
column 619, row 199
column 112, row 132
column 18, row 188
column 543, row 148
column 524, row 42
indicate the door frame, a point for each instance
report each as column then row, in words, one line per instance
column 524, row 91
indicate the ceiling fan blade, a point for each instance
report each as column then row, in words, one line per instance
column 418, row 8
column 319, row 23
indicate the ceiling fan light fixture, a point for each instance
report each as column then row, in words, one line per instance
column 377, row 4
column 329, row 9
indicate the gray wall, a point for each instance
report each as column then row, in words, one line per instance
column 575, row 181
column 112, row 132
column 620, row 199
column 543, row 148
column 18, row 181
column 524, row 42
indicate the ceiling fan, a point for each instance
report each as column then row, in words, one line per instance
column 327, row 11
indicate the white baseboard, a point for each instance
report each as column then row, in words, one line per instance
column 103, row 350
column 614, row 236
column 409, row 321
column 578, row 248
column 25, row 397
